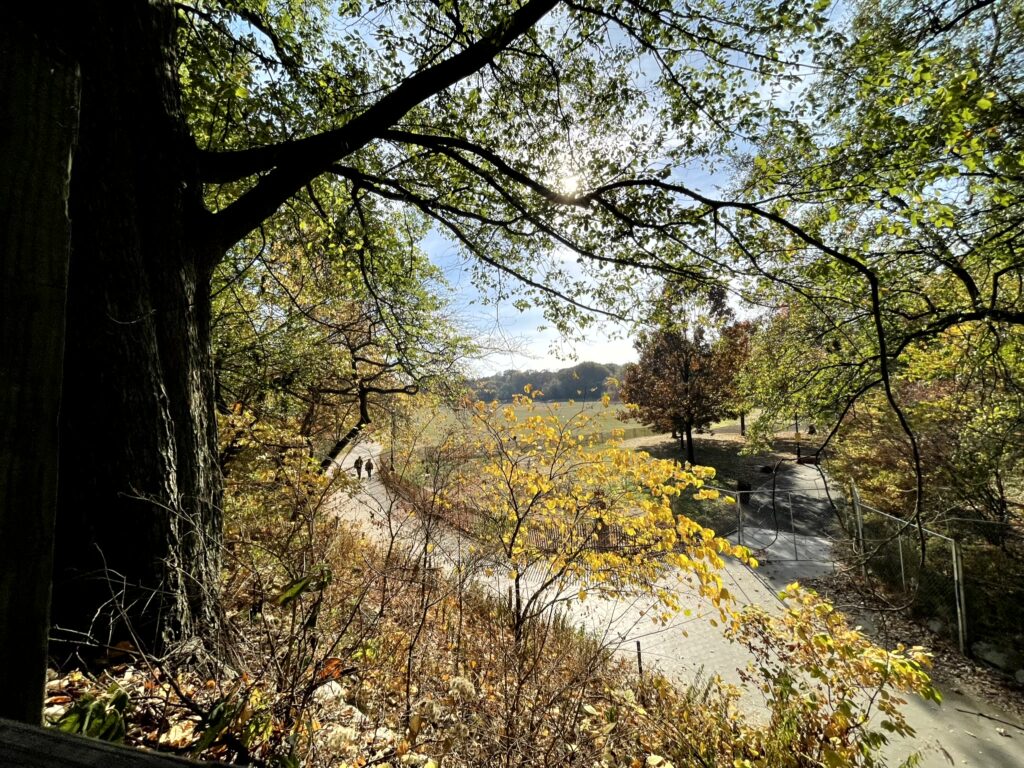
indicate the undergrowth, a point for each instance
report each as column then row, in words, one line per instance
column 348, row 649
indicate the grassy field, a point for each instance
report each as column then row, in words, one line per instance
column 720, row 450
column 435, row 423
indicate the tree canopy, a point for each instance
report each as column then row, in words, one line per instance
column 584, row 381
column 685, row 379
column 533, row 135
column 897, row 181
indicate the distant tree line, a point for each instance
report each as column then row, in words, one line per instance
column 583, row 381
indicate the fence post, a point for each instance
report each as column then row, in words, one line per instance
column 859, row 534
column 961, row 602
column 792, row 529
column 903, row 573
column 739, row 515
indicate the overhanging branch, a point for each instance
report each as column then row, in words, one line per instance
column 293, row 164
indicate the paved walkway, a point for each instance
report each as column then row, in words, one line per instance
column 689, row 646
column 947, row 734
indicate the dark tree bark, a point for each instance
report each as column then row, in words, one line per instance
column 690, row 454
column 138, row 521
column 743, row 423
column 39, row 102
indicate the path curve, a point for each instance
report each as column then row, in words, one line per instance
column 689, row 645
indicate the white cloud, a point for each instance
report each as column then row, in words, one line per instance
column 546, row 350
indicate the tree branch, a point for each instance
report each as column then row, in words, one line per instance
column 293, row 164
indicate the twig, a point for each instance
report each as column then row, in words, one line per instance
column 990, row 717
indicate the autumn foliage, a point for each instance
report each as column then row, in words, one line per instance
column 355, row 650
column 555, row 510
column 686, row 378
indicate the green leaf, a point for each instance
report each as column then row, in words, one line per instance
column 216, row 723
column 294, row 590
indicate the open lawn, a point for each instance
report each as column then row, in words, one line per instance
column 718, row 447
column 435, row 423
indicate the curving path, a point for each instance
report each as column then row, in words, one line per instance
column 689, row 646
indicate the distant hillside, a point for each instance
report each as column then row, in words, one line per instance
column 583, row 381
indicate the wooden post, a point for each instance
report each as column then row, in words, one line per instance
column 961, row 602
column 31, row 747
column 858, row 514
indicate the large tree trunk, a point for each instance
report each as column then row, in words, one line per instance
column 139, row 521
column 39, row 101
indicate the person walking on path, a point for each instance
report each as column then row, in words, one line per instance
column 359, row 468
column 369, row 468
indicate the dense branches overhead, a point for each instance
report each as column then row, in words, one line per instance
column 896, row 186
column 573, row 148
column 900, row 207
column 561, row 142
column 534, row 137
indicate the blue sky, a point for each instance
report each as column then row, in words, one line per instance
column 516, row 336
column 523, row 339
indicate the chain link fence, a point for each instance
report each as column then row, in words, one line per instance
column 993, row 585
column 963, row 578
column 920, row 568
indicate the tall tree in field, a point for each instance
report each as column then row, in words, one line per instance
column 736, row 345
column 685, row 379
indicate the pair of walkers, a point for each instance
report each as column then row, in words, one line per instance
column 360, row 465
